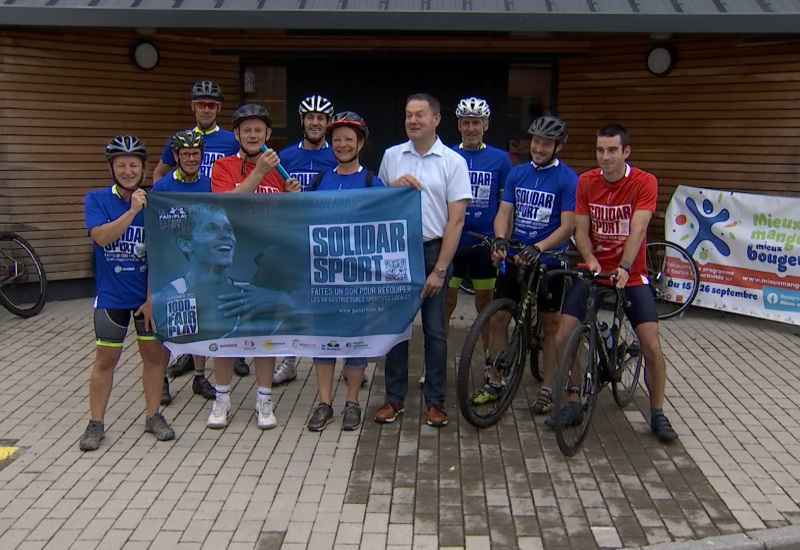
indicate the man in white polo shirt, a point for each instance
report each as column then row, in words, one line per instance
column 442, row 176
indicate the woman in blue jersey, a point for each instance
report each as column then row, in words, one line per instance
column 347, row 133
column 115, row 222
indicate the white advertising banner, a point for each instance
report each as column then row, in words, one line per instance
column 746, row 247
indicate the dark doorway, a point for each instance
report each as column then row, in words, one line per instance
column 377, row 90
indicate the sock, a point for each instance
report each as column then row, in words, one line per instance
column 263, row 394
column 655, row 412
column 200, row 373
column 224, row 394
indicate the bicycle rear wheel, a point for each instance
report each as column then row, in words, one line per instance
column 575, row 391
column 673, row 275
column 629, row 359
column 500, row 360
column 23, row 284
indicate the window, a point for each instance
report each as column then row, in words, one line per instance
column 265, row 85
column 529, row 96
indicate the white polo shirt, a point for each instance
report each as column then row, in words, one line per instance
column 443, row 174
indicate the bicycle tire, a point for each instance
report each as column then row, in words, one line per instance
column 474, row 363
column 663, row 274
column 535, row 351
column 23, row 283
column 630, row 359
column 579, row 358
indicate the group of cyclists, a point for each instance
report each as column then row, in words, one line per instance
column 469, row 187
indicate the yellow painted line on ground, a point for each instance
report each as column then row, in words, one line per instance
column 6, row 452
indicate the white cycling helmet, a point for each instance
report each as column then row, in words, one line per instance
column 316, row 104
column 473, row 107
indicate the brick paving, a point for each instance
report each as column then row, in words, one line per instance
column 733, row 397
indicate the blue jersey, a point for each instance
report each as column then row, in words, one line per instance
column 304, row 164
column 539, row 197
column 173, row 183
column 488, row 169
column 219, row 143
column 120, row 268
column 331, row 181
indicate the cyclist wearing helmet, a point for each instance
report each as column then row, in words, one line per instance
column 115, row 222
column 304, row 160
column 187, row 150
column 206, row 103
column 251, row 170
column 347, row 133
column 488, row 170
column 539, row 197
column 613, row 207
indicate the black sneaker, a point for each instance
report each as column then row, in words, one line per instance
column 166, row 398
column 571, row 415
column 352, row 416
column 201, row 386
column 240, row 367
column 90, row 440
column 182, row 365
column 321, row 417
column 662, row 428
column 158, row 426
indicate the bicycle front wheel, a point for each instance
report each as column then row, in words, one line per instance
column 491, row 364
column 575, row 391
column 23, row 284
column 673, row 275
column 629, row 361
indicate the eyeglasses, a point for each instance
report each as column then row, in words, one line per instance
column 209, row 105
column 189, row 154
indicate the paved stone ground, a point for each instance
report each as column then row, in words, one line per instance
column 732, row 397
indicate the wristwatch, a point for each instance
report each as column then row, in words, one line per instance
column 625, row 265
column 441, row 273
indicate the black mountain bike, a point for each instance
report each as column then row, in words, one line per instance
column 596, row 353
column 484, row 360
column 23, row 284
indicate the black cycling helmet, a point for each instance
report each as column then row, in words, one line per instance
column 351, row 120
column 125, row 145
column 549, row 127
column 206, row 89
column 316, row 104
column 187, row 139
column 251, row 110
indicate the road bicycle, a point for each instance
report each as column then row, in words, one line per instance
column 674, row 277
column 23, row 283
column 498, row 343
column 598, row 352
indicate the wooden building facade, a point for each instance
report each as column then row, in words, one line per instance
column 726, row 116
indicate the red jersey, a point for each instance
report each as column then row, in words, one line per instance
column 610, row 206
column 229, row 172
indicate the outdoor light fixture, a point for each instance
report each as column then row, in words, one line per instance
column 145, row 55
column 660, row 60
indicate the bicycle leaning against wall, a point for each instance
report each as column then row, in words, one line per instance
column 23, row 283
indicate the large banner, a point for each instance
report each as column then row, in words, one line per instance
column 323, row 274
column 745, row 246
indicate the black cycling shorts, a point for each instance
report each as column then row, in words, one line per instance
column 111, row 326
column 642, row 308
column 548, row 298
column 477, row 261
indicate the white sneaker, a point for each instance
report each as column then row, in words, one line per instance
column 286, row 371
column 264, row 417
column 219, row 415
column 422, row 380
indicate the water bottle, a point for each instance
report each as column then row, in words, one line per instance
column 605, row 334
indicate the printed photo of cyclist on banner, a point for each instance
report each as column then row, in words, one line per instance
column 243, row 275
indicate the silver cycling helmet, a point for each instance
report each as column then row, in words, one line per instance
column 549, row 127
column 316, row 104
column 125, row 145
column 473, row 107
column 206, row 89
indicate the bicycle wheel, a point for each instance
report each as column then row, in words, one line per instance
column 481, row 402
column 23, row 284
column 575, row 391
column 629, row 360
column 673, row 275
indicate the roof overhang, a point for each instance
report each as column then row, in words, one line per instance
column 517, row 16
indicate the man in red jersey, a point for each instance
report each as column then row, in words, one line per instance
column 613, row 207
column 251, row 170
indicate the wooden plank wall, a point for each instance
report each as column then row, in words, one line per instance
column 62, row 97
column 726, row 117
